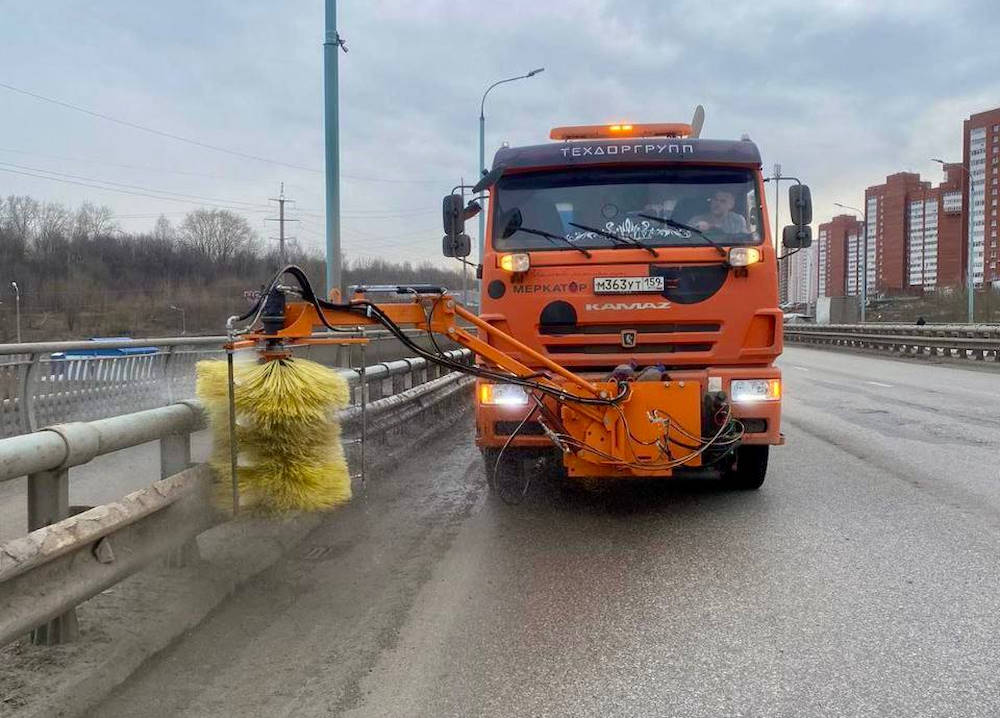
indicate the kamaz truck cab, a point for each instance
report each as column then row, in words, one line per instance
column 635, row 253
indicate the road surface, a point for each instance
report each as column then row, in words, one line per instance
column 861, row 580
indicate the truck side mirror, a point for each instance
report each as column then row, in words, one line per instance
column 800, row 201
column 797, row 237
column 458, row 246
column 452, row 215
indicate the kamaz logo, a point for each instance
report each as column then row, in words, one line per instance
column 625, row 306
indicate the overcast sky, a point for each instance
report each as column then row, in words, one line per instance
column 840, row 93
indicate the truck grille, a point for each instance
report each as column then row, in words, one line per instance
column 662, row 338
column 560, row 330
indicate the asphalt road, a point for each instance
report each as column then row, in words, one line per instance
column 861, row 580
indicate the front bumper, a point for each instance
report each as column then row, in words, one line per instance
column 762, row 419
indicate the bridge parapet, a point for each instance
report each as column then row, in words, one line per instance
column 47, row 383
column 66, row 559
column 967, row 342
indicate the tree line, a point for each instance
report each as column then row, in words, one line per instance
column 80, row 275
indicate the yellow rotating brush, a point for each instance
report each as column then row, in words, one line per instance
column 290, row 456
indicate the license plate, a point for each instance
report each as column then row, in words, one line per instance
column 627, row 285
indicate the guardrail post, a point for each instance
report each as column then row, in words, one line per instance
column 48, row 503
column 168, row 377
column 27, row 403
column 175, row 457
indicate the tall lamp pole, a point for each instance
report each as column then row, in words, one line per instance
column 970, row 286
column 17, row 308
column 482, row 146
column 864, row 255
column 332, row 42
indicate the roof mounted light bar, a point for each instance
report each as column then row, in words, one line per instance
column 624, row 129
column 617, row 131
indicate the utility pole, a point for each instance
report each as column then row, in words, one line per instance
column 332, row 42
column 783, row 269
column 280, row 219
column 465, row 265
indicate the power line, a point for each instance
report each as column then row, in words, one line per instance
column 122, row 191
column 144, row 168
column 133, row 186
column 231, row 178
column 206, row 145
column 153, row 131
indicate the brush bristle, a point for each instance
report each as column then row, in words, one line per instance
column 290, row 455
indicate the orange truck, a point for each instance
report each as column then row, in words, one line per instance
column 639, row 255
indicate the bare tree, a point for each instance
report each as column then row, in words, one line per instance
column 163, row 231
column 19, row 216
column 54, row 220
column 217, row 233
column 93, row 221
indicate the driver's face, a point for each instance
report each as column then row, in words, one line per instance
column 721, row 203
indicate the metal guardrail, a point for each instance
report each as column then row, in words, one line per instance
column 972, row 342
column 65, row 560
column 38, row 389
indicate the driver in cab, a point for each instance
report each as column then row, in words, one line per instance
column 720, row 215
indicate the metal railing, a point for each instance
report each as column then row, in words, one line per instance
column 971, row 342
column 40, row 386
column 64, row 559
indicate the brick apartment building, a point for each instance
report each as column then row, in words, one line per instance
column 917, row 234
column 887, row 208
column 936, row 250
column 832, row 258
column 981, row 154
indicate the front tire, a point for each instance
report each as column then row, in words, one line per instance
column 748, row 471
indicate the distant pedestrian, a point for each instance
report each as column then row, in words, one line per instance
column 920, row 321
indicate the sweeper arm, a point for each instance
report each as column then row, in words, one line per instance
column 289, row 323
column 634, row 428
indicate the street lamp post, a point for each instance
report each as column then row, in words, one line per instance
column 482, row 146
column 970, row 285
column 863, row 253
column 17, row 309
column 183, row 319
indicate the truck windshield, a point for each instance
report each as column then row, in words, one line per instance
column 720, row 203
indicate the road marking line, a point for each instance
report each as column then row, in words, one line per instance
column 800, row 368
column 878, row 383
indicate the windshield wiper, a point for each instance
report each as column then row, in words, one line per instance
column 688, row 227
column 626, row 241
column 553, row 238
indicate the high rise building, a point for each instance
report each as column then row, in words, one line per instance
column 836, row 274
column 802, row 276
column 981, row 155
column 888, row 207
column 934, row 233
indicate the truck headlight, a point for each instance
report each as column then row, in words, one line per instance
column 742, row 390
column 744, row 256
column 515, row 262
column 502, row 395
